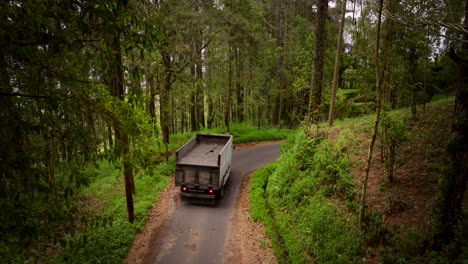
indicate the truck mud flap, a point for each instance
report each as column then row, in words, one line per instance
column 200, row 201
column 198, row 198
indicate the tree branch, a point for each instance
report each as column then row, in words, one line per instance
column 24, row 95
column 57, row 74
column 456, row 58
column 193, row 57
column 424, row 23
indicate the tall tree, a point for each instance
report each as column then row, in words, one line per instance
column 121, row 136
column 336, row 72
column 118, row 91
column 228, row 95
column 319, row 55
column 378, row 81
column 453, row 184
column 164, row 98
column 280, row 38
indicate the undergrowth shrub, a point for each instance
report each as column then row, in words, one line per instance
column 299, row 202
column 107, row 234
column 247, row 133
column 392, row 136
column 242, row 133
column 36, row 217
column 410, row 245
column 310, row 200
column 257, row 201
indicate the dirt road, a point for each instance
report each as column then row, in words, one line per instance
column 197, row 233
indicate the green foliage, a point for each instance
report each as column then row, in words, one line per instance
column 107, row 234
column 32, row 222
column 247, row 133
column 241, row 132
column 257, row 199
column 375, row 229
column 348, row 104
column 393, row 135
column 410, row 245
column 297, row 199
column 411, row 242
column 55, row 110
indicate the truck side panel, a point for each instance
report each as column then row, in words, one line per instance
column 225, row 162
column 186, row 147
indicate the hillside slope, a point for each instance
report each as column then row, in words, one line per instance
column 308, row 199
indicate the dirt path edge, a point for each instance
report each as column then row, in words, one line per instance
column 246, row 241
column 157, row 218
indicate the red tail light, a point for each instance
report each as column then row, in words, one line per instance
column 210, row 191
column 184, row 189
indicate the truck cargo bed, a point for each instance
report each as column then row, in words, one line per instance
column 202, row 154
column 203, row 150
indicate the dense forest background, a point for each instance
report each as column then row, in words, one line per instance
column 83, row 81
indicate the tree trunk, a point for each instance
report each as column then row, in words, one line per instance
column 227, row 113
column 210, row 117
column 378, row 79
column 92, row 131
column 336, row 72
column 172, row 115
column 152, row 96
column 194, row 97
column 239, row 88
column 164, row 100
column 413, row 97
column 210, row 112
column 280, row 63
column 109, row 137
column 200, row 93
column 121, row 136
column 319, row 52
column 453, row 184
column 135, row 88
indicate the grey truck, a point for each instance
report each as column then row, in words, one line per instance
column 203, row 166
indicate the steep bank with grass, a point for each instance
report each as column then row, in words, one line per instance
column 304, row 200
column 308, row 199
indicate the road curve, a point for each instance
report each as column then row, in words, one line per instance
column 196, row 233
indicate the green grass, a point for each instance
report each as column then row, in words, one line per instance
column 259, row 209
column 297, row 198
column 107, row 234
column 308, row 199
column 247, row 133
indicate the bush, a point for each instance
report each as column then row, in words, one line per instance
column 393, row 135
column 247, row 133
column 107, row 234
column 297, row 198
